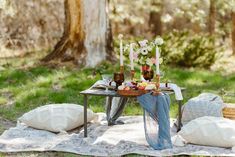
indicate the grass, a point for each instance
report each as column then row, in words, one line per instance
column 37, row 85
column 3, row 101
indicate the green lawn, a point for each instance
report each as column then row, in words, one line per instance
column 23, row 89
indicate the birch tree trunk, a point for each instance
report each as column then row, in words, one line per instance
column 86, row 38
column 233, row 32
column 212, row 16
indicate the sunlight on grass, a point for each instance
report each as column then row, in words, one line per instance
column 3, row 101
column 42, row 81
column 194, row 81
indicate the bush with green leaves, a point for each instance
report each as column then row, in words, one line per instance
column 189, row 50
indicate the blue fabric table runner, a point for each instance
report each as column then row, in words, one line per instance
column 156, row 120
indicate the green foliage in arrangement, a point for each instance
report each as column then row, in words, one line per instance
column 184, row 49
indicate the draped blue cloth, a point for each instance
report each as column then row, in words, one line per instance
column 156, row 120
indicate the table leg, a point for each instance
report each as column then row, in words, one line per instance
column 179, row 115
column 108, row 108
column 85, row 115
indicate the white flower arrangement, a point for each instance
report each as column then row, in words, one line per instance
column 144, row 51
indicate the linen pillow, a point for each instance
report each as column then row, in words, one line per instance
column 210, row 131
column 205, row 104
column 56, row 117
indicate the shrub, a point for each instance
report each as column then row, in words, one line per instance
column 185, row 49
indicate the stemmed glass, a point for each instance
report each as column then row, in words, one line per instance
column 107, row 78
column 118, row 79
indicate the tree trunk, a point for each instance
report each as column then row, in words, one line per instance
column 212, row 16
column 155, row 22
column 233, row 32
column 109, row 36
column 86, row 39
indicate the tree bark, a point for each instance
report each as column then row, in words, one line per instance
column 212, row 16
column 233, row 32
column 109, row 36
column 86, row 39
column 155, row 22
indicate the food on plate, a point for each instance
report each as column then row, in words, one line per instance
column 127, row 88
column 141, row 87
column 142, row 84
column 121, row 87
column 137, row 86
column 150, row 87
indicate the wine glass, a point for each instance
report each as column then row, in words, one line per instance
column 107, row 78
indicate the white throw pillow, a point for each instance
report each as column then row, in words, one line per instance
column 206, row 104
column 56, row 117
column 210, row 131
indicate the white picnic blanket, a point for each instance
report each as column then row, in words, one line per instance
column 102, row 140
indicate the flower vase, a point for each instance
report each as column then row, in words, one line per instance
column 147, row 73
column 145, row 68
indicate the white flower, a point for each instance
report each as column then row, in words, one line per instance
column 150, row 48
column 120, row 36
column 158, row 41
column 143, row 43
column 149, row 62
column 127, row 47
column 141, row 60
column 144, row 50
column 166, row 18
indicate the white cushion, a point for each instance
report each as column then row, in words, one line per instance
column 56, row 117
column 206, row 104
column 178, row 141
column 210, row 131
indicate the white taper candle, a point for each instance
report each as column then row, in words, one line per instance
column 157, row 61
column 131, row 55
column 121, row 53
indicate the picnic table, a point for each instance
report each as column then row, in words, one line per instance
column 112, row 93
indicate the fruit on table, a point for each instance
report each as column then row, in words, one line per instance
column 141, row 87
column 137, row 86
column 127, row 88
column 144, row 84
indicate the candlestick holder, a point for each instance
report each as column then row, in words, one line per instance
column 122, row 69
column 132, row 75
column 157, row 91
